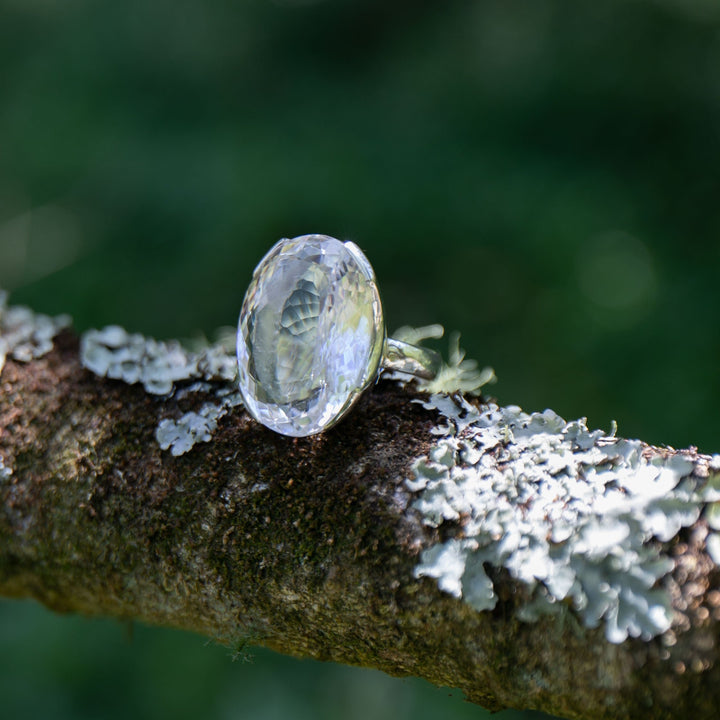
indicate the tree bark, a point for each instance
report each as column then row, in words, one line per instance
column 307, row 546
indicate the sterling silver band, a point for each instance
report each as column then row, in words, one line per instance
column 403, row 357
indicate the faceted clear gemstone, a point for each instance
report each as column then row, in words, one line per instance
column 310, row 335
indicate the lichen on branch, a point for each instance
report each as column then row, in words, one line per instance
column 24, row 334
column 577, row 517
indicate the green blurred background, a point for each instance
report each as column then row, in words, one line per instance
column 542, row 176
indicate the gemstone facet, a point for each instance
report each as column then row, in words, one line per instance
column 310, row 336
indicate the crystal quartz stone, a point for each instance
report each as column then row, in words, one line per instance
column 310, row 336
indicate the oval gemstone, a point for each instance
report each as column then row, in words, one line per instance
column 310, row 335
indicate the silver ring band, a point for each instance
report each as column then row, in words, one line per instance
column 403, row 357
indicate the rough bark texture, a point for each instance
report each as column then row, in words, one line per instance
column 306, row 546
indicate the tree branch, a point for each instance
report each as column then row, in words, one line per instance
column 386, row 542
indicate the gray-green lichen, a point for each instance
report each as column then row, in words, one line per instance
column 569, row 513
column 117, row 354
column 179, row 436
column 5, row 472
column 24, row 334
column 711, row 495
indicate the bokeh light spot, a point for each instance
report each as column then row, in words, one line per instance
column 616, row 273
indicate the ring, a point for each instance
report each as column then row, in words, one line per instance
column 311, row 336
